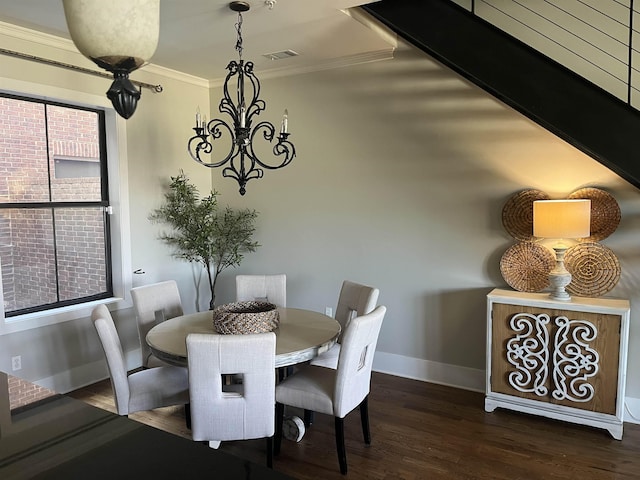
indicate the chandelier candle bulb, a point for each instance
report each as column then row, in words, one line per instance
column 285, row 121
column 243, row 116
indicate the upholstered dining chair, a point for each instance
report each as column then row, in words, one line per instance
column 354, row 300
column 241, row 411
column 153, row 304
column 142, row 390
column 270, row 288
column 336, row 392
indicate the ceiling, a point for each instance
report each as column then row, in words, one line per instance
column 198, row 37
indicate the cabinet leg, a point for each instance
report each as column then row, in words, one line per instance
column 616, row 432
column 489, row 405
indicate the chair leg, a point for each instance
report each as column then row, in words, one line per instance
column 187, row 415
column 270, row 452
column 364, row 419
column 284, row 372
column 278, row 434
column 342, row 453
column 308, row 418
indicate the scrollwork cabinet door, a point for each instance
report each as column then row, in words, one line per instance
column 562, row 357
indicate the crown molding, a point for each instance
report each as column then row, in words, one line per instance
column 34, row 36
column 66, row 45
column 368, row 20
column 173, row 74
column 368, row 57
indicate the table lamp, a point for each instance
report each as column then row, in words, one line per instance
column 560, row 220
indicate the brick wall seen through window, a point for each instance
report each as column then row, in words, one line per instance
column 53, row 244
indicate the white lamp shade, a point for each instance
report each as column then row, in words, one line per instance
column 114, row 33
column 562, row 218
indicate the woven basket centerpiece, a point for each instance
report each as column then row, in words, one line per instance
column 246, row 317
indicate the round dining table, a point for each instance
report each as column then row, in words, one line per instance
column 301, row 336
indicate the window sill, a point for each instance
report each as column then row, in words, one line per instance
column 53, row 316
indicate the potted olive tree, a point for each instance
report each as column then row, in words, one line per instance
column 203, row 232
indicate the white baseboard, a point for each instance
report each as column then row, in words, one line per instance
column 428, row 371
column 84, row 375
column 398, row 365
column 632, row 410
column 459, row 377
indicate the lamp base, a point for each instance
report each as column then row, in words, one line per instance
column 559, row 277
column 558, row 282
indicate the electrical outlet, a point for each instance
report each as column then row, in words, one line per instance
column 16, row 363
column 328, row 311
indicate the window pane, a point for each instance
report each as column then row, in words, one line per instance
column 53, row 247
column 74, row 140
column 28, row 260
column 81, row 252
column 23, row 152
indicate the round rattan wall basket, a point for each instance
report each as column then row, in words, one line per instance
column 246, row 317
column 605, row 212
column 525, row 266
column 517, row 214
column 594, row 269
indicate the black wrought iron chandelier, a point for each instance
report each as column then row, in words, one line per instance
column 242, row 162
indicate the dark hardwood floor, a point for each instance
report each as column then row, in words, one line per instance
column 427, row 431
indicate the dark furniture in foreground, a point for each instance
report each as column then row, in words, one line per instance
column 63, row 438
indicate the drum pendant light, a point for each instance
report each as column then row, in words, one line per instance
column 119, row 36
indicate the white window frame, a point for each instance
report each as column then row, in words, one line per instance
column 116, row 143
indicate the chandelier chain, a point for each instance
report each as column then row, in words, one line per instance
column 239, row 39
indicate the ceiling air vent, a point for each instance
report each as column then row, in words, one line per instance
column 280, row 55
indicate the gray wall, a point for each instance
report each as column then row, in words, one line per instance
column 402, row 171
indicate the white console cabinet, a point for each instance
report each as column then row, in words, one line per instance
column 562, row 360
